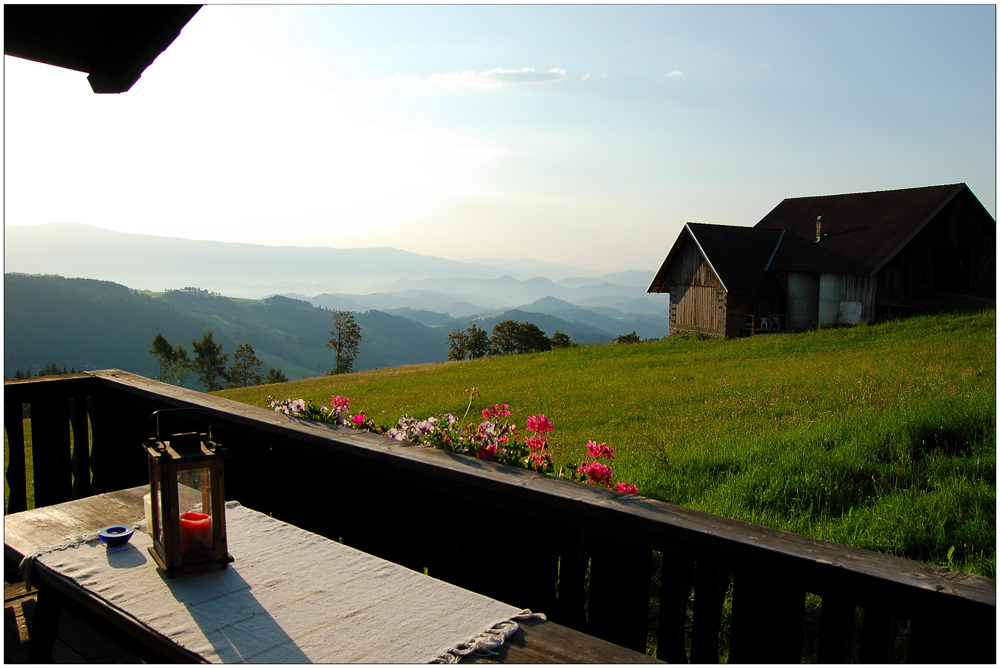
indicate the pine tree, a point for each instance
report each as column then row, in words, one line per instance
column 457, row 345
column 210, row 363
column 245, row 370
column 477, row 342
column 275, row 375
column 345, row 341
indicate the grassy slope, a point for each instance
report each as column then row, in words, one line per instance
column 878, row 436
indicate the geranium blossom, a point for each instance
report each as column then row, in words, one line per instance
column 492, row 439
column 495, row 411
column 600, row 450
column 540, row 424
column 535, row 442
column 596, row 472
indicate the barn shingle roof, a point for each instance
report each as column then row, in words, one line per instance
column 738, row 255
column 861, row 231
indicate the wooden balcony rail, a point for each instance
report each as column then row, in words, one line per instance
column 589, row 558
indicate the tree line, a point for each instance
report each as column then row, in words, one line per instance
column 210, row 363
column 49, row 369
column 509, row 337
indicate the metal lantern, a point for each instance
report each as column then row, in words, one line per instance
column 187, row 495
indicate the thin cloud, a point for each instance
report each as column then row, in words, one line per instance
column 675, row 73
column 495, row 78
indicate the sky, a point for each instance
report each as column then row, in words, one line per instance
column 584, row 135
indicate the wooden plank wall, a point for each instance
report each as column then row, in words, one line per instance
column 634, row 571
column 961, row 224
column 697, row 300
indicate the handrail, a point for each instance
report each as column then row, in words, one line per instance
column 592, row 549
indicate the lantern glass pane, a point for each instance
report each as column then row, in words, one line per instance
column 155, row 499
column 194, row 495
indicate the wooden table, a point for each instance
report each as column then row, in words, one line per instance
column 28, row 532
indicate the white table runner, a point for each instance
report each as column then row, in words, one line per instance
column 290, row 597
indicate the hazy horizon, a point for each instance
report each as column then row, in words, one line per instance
column 575, row 135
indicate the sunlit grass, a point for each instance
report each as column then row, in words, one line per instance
column 881, row 436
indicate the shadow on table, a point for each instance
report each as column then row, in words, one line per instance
column 224, row 607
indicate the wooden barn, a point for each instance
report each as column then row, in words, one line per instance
column 830, row 260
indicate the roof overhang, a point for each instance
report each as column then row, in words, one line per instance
column 114, row 44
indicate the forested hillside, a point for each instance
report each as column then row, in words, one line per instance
column 88, row 324
column 85, row 324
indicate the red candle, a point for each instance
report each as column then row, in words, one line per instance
column 196, row 532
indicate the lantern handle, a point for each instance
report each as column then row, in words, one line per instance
column 156, row 414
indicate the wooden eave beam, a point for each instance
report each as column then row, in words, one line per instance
column 113, row 43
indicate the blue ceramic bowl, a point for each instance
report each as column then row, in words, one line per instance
column 118, row 534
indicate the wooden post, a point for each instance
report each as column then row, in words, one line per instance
column 81, row 446
column 878, row 634
column 43, row 633
column 767, row 603
column 51, row 451
column 618, row 601
column 836, row 621
column 676, row 580
column 16, row 468
column 573, row 562
column 711, row 582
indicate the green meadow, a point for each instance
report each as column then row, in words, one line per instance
column 881, row 437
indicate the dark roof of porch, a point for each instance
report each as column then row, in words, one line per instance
column 113, row 43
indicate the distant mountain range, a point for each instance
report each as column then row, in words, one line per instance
column 148, row 262
column 276, row 299
column 89, row 324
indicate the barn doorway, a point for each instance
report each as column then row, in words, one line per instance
column 952, row 269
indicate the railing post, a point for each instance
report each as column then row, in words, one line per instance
column 16, row 466
column 51, row 455
column 836, row 621
column 711, row 582
column 573, row 563
column 877, row 635
column 81, row 446
column 767, row 604
column 676, row 580
column 119, row 425
column 618, row 601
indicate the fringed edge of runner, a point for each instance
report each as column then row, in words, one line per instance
column 24, row 568
column 489, row 640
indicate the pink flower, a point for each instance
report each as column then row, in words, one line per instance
column 626, row 488
column 600, row 451
column 535, row 442
column 495, row 411
column 596, row 472
column 539, row 423
column 542, row 459
column 358, row 419
column 487, row 453
column 340, row 402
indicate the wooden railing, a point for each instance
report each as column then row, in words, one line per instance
column 589, row 558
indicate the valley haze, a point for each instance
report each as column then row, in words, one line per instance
column 252, row 271
column 276, row 299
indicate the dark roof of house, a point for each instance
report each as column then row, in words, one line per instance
column 113, row 43
column 737, row 255
column 860, row 231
